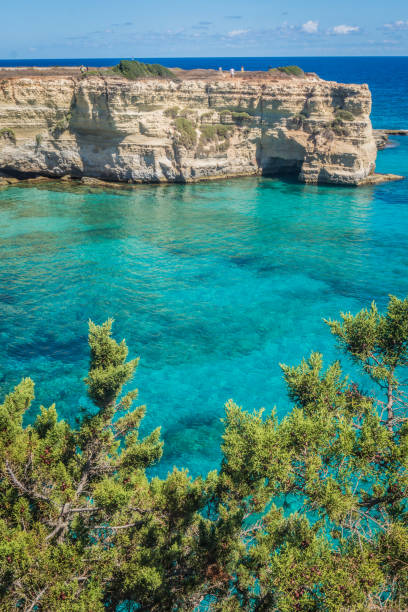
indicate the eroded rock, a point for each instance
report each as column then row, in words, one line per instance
column 159, row 130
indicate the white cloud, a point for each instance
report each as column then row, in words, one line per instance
column 237, row 33
column 345, row 29
column 397, row 25
column 310, row 27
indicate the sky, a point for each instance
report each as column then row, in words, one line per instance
column 195, row 28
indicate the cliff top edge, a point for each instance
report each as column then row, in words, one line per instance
column 197, row 75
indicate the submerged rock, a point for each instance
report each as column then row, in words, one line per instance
column 375, row 179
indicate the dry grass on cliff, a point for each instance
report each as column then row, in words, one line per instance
column 201, row 74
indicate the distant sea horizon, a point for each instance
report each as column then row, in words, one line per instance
column 76, row 61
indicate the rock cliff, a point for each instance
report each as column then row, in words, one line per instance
column 156, row 130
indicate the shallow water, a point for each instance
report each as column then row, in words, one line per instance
column 212, row 285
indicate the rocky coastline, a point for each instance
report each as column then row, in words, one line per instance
column 191, row 128
column 382, row 137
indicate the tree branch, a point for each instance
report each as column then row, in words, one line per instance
column 116, row 527
column 36, row 600
column 22, row 488
column 390, row 397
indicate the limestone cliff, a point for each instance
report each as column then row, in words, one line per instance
column 157, row 130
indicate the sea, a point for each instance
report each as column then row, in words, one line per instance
column 213, row 285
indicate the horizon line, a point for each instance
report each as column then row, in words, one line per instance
column 15, row 59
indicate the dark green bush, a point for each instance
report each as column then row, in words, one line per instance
column 339, row 128
column 132, row 69
column 223, row 131
column 344, row 115
column 240, row 117
column 291, row 70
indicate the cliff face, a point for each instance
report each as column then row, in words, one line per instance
column 161, row 130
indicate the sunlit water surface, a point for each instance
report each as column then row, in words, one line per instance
column 213, row 285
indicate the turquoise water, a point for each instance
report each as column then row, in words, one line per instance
column 212, row 285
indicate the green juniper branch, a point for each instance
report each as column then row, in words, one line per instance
column 305, row 513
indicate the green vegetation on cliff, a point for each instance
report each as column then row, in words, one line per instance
column 344, row 115
column 307, row 513
column 132, row 69
column 187, row 135
column 8, row 134
column 289, row 70
column 209, row 133
column 241, row 117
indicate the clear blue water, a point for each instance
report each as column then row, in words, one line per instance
column 212, row 285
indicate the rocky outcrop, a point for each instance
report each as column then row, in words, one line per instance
column 382, row 137
column 156, row 130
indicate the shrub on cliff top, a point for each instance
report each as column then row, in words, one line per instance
column 291, row 70
column 132, row 69
column 305, row 513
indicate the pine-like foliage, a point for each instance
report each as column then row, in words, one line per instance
column 132, row 69
column 308, row 513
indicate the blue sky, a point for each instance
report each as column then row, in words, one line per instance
column 182, row 28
